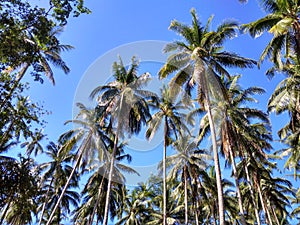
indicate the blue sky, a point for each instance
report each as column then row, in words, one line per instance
column 114, row 24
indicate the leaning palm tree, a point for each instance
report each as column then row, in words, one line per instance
column 200, row 50
column 96, row 188
column 55, row 171
column 171, row 118
column 181, row 165
column 91, row 140
column 125, row 109
column 44, row 55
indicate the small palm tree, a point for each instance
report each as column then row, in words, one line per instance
column 56, row 172
column 171, row 118
column 138, row 206
column 91, row 140
column 181, row 165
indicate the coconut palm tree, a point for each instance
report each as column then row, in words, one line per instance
column 171, row 118
column 125, row 106
column 282, row 20
column 199, row 59
column 181, row 165
column 96, row 188
column 55, row 172
column 138, row 206
column 20, row 202
column 286, row 98
column 43, row 55
column 91, row 139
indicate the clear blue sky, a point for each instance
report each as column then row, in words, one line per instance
column 114, row 23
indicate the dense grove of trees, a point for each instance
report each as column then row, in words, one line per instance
column 202, row 96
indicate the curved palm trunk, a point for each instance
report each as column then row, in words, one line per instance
column 186, row 218
column 237, row 185
column 44, row 204
column 15, row 85
column 215, row 151
column 252, row 196
column 97, row 200
column 165, row 174
column 105, row 219
column 80, row 154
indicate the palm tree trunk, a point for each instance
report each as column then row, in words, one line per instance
column 196, row 213
column 15, row 85
column 252, row 195
column 275, row 215
column 97, row 200
column 4, row 212
column 165, row 174
column 105, row 219
column 186, row 219
column 80, row 154
column 5, row 137
column 215, row 151
column 237, row 185
column 44, row 204
column 266, row 211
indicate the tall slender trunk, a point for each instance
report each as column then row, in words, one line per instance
column 165, row 173
column 215, row 151
column 4, row 212
column 15, row 85
column 196, row 213
column 186, row 218
column 275, row 215
column 252, row 196
column 97, row 200
column 237, row 185
column 111, row 169
column 266, row 211
column 5, row 138
column 44, row 204
column 80, row 154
